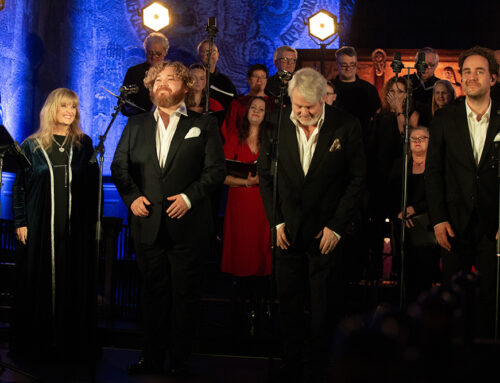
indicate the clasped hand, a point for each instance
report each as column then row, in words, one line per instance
column 177, row 208
column 327, row 243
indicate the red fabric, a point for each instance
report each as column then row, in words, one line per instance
column 214, row 105
column 247, row 239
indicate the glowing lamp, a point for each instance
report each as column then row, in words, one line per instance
column 322, row 25
column 155, row 16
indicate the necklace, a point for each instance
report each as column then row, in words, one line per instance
column 61, row 146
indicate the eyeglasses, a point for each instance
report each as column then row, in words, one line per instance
column 330, row 93
column 288, row 60
column 155, row 53
column 419, row 139
column 348, row 66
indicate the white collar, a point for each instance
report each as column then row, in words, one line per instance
column 180, row 110
column 472, row 114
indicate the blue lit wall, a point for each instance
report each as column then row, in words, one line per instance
column 15, row 74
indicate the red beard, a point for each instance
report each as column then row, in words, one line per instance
column 167, row 100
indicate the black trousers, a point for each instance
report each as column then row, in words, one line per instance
column 305, row 277
column 475, row 248
column 170, row 274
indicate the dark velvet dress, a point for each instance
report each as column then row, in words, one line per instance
column 56, row 296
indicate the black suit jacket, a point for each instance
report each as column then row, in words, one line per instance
column 194, row 166
column 329, row 194
column 455, row 185
column 135, row 76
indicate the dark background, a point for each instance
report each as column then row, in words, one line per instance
column 415, row 24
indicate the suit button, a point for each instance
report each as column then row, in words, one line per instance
column 472, row 197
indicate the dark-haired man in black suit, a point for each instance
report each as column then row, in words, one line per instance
column 461, row 180
column 321, row 172
column 165, row 167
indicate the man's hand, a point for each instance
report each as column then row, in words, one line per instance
column 178, row 207
column 22, row 234
column 442, row 231
column 409, row 212
column 139, row 207
column 281, row 239
column 328, row 240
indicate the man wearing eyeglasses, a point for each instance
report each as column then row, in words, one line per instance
column 461, row 180
column 221, row 87
column 156, row 48
column 423, row 84
column 361, row 99
column 285, row 59
column 354, row 95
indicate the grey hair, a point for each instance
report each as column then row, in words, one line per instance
column 427, row 50
column 285, row 48
column 346, row 50
column 156, row 37
column 310, row 84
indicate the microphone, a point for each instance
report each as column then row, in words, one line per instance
column 397, row 64
column 212, row 27
column 283, row 75
column 129, row 89
column 421, row 65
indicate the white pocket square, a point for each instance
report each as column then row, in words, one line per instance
column 193, row 132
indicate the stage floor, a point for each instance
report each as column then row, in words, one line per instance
column 112, row 368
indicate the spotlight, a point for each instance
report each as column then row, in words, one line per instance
column 155, row 16
column 322, row 25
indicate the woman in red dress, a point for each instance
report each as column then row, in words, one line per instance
column 246, row 251
column 257, row 76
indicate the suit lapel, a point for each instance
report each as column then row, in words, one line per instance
column 150, row 138
column 493, row 130
column 289, row 141
column 180, row 132
column 462, row 127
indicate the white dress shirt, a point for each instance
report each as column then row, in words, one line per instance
column 164, row 137
column 307, row 146
column 477, row 130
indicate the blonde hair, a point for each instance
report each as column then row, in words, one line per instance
column 449, row 88
column 48, row 118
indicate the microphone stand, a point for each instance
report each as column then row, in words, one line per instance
column 100, row 149
column 397, row 66
column 404, row 194
column 274, row 173
column 212, row 32
column 497, row 301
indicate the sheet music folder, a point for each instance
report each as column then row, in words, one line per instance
column 240, row 169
